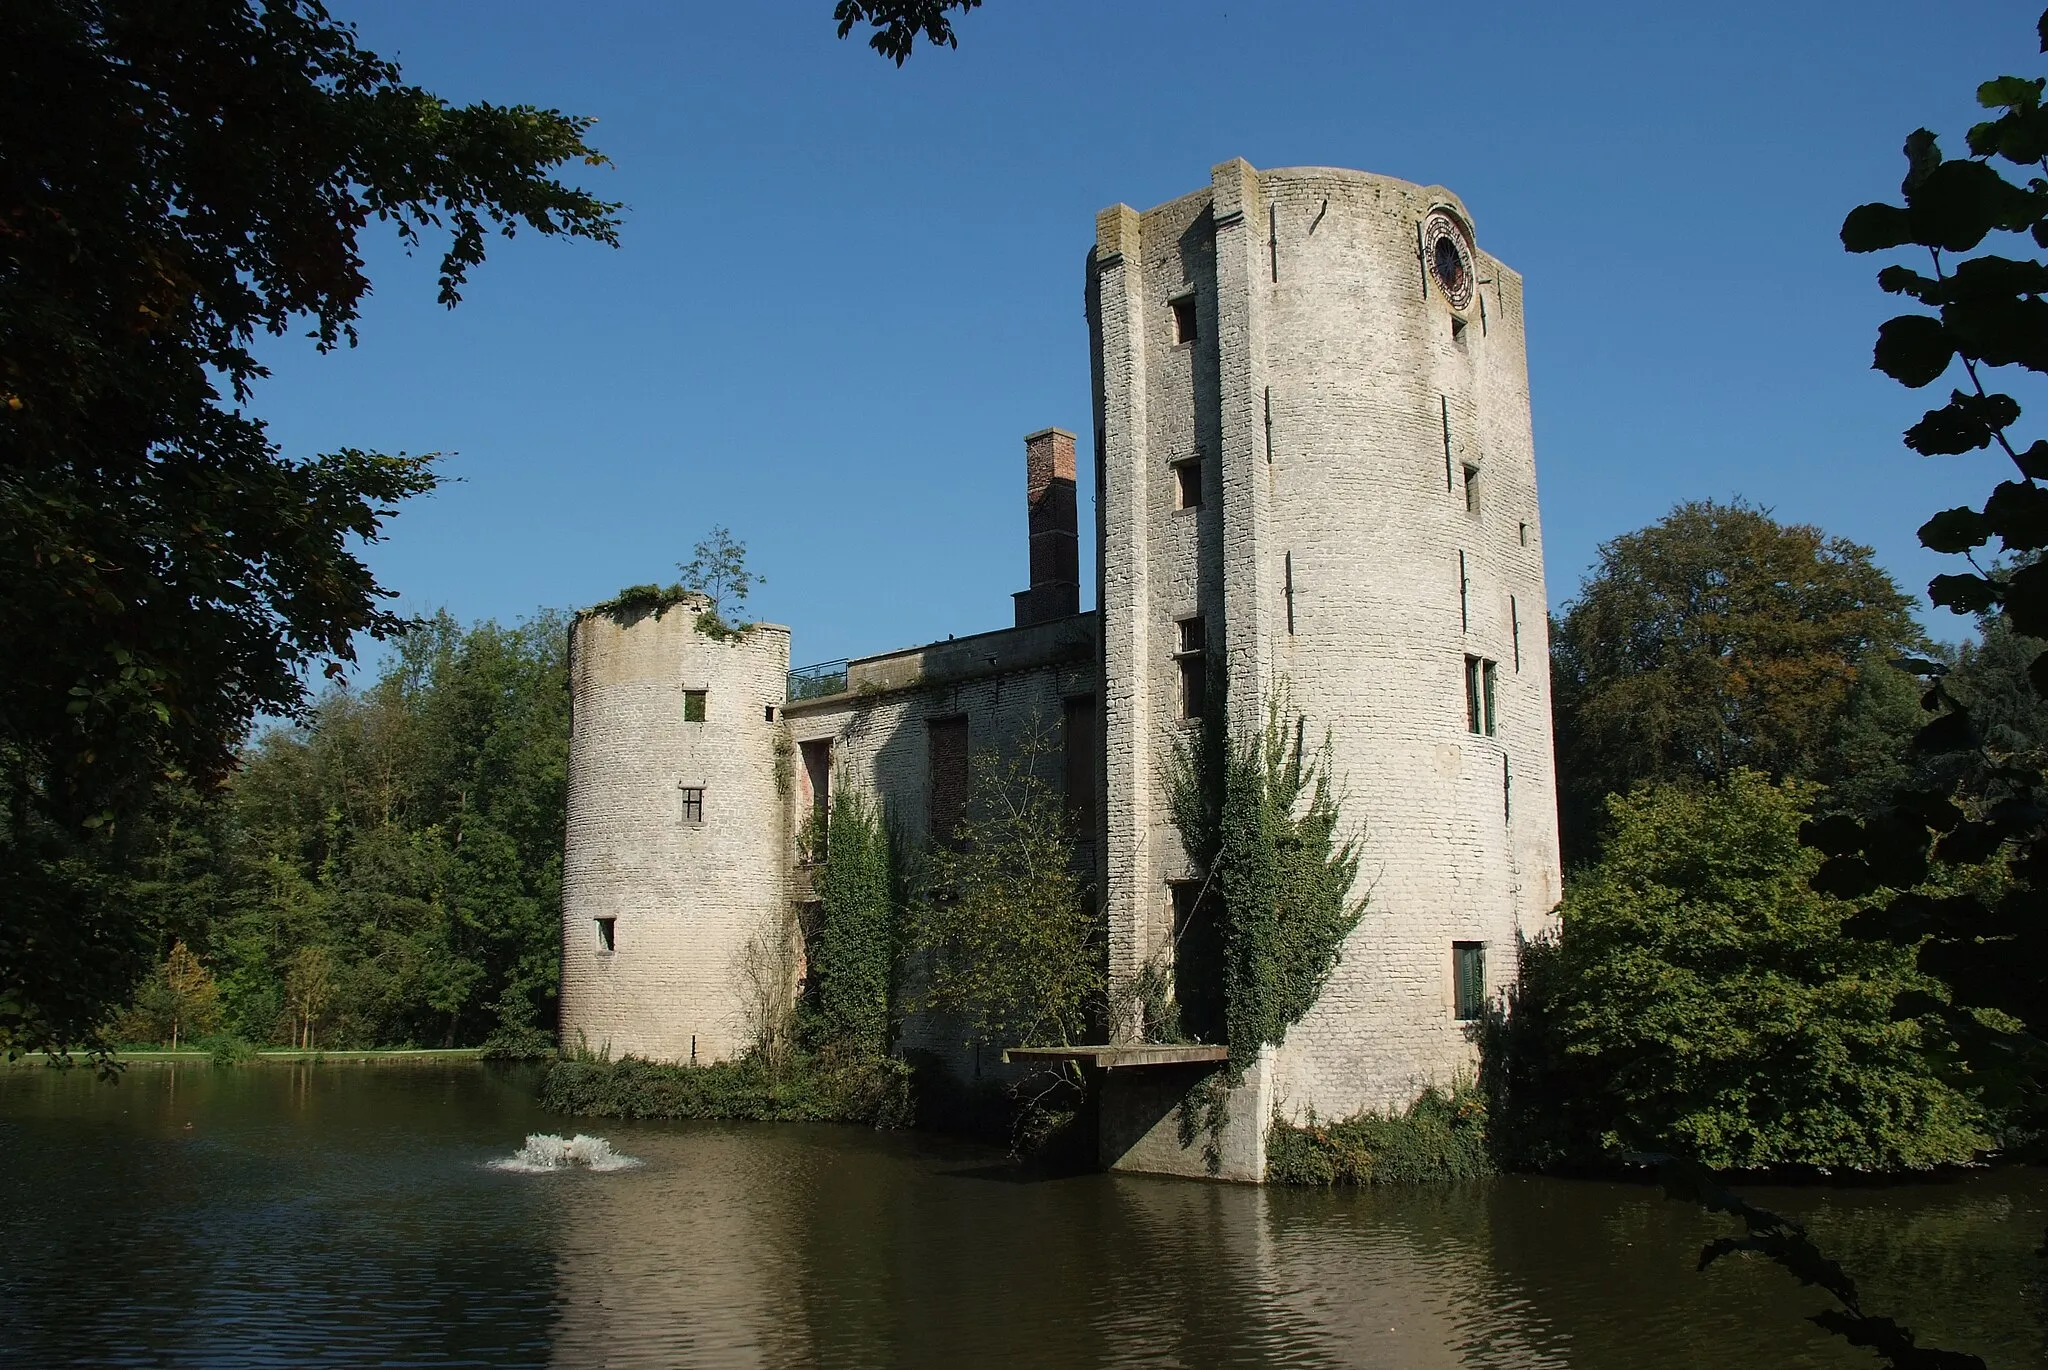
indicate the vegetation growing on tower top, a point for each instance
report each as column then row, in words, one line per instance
column 715, row 582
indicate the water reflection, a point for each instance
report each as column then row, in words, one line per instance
column 270, row 1216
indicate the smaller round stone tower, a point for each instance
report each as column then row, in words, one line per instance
column 674, row 874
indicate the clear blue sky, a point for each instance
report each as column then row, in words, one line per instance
column 846, row 291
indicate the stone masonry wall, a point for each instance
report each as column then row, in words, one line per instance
column 1317, row 390
column 687, row 898
column 1004, row 684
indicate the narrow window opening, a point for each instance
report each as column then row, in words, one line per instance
column 1187, row 482
column 607, row 934
column 1191, row 661
column 1269, row 425
column 817, row 758
column 1464, row 595
column 1080, row 748
column 1507, row 791
column 1515, row 630
column 1482, row 316
column 768, row 713
column 1444, row 403
column 1524, row 534
column 1468, row 978
column 947, row 764
column 693, row 803
column 1482, row 685
column 1184, row 319
column 1457, row 330
column 693, row 705
column 1198, row 960
column 1273, row 237
column 1471, row 489
column 1289, row 587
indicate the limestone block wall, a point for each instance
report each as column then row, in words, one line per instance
column 1338, row 395
column 685, row 894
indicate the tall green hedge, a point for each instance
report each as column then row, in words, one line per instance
column 856, row 946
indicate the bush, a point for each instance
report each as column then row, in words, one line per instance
column 1703, row 999
column 822, row 1087
column 511, row 1042
column 227, row 1049
column 1440, row 1137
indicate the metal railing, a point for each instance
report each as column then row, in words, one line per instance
column 815, row 682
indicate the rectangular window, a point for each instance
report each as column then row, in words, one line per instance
column 1192, row 663
column 693, row 706
column 817, row 759
column 1457, row 330
column 946, row 759
column 607, row 934
column 1184, row 319
column 1078, row 737
column 1471, row 489
column 1515, row 628
column 1187, row 483
column 693, row 803
column 1198, row 961
column 1482, row 679
column 1468, row 980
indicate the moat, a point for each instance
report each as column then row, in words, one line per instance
column 345, row 1214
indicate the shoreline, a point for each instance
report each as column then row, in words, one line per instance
column 280, row 1055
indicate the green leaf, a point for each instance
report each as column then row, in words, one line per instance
column 1876, row 228
column 2011, row 92
column 1955, row 530
column 2018, row 512
column 1845, row 877
column 1913, row 350
column 1963, row 594
column 2026, row 600
column 1900, row 280
column 1956, row 203
column 1838, row 835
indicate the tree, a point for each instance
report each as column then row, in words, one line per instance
column 1715, row 639
column 1709, row 1002
column 180, row 999
column 177, row 179
column 1004, row 924
column 897, row 24
column 717, row 570
column 308, row 987
column 1989, row 311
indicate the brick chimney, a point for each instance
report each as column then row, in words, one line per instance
column 1055, row 537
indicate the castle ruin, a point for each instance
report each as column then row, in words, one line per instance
column 1314, row 475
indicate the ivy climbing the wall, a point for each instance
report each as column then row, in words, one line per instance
column 1259, row 818
column 856, row 943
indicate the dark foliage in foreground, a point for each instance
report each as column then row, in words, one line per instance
column 177, row 179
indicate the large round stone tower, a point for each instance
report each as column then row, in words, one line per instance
column 1316, row 463
column 676, row 861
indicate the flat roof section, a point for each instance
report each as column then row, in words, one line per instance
column 1123, row 1055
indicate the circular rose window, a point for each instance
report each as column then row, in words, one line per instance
column 1449, row 254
